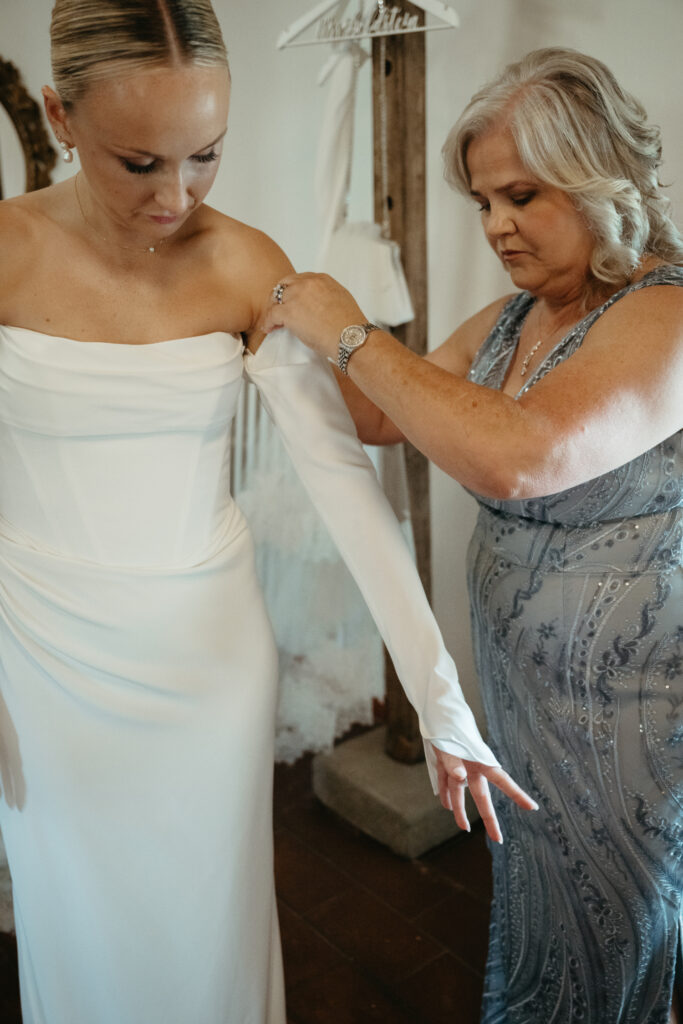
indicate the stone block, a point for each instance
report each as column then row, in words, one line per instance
column 389, row 801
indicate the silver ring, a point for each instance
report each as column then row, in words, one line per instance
column 278, row 292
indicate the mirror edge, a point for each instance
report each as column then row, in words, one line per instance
column 25, row 114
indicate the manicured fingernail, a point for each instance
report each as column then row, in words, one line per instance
column 534, row 806
column 500, row 841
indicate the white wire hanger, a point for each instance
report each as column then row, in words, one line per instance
column 384, row 20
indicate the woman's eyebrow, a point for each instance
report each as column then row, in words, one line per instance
column 155, row 156
column 509, row 187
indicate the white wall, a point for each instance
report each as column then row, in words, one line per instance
column 267, row 173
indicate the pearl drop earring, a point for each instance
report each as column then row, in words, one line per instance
column 67, row 155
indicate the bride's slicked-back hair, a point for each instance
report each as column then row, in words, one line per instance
column 96, row 39
column 576, row 129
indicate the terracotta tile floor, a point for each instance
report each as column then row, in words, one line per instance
column 367, row 936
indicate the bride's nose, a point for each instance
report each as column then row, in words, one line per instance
column 173, row 195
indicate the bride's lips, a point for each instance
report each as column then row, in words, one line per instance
column 163, row 220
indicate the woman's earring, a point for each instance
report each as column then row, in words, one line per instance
column 67, row 155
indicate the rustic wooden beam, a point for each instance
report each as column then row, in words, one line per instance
column 403, row 74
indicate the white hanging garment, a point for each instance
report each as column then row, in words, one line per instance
column 355, row 254
column 333, row 163
column 370, row 267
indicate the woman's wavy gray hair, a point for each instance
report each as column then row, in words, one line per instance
column 576, row 129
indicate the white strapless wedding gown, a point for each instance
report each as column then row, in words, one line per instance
column 138, row 671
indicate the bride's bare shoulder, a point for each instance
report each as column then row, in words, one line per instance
column 246, row 250
column 17, row 218
column 246, row 263
column 32, row 242
column 25, row 220
column 21, row 228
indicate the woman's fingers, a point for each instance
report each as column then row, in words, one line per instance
column 456, row 791
column 271, row 320
column 314, row 306
column 505, row 784
column 455, row 775
column 479, row 788
column 452, row 786
column 452, row 778
column 442, row 776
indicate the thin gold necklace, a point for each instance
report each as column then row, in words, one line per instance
column 527, row 358
column 148, row 250
column 531, row 353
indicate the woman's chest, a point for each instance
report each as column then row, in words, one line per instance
column 143, row 304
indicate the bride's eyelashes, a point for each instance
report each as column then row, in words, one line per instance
column 133, row 168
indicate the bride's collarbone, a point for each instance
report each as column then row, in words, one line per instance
column 154, row 298
column 121, row 311
column 111, row 326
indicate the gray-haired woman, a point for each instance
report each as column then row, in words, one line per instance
column 561, row 408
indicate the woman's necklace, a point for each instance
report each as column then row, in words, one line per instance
column 527, row 358
column 534, row 348
column 149, row 249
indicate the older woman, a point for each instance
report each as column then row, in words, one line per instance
column 138, row 673
column 560, row 407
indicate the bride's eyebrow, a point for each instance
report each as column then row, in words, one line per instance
column 155, row 156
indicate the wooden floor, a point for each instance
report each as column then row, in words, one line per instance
column 367, row 936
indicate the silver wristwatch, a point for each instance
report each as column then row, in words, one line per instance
column 350, row 340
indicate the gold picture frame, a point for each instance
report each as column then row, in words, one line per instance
column 25, row 114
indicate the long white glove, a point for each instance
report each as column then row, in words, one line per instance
column 301, row 395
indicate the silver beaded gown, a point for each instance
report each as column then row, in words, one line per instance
column 577, row 611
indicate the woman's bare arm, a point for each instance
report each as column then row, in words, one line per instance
column 455, row 355
column 617, row 396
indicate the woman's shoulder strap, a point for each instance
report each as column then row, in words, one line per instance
column 666, row 273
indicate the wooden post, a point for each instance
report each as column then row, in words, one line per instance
column 404, row 85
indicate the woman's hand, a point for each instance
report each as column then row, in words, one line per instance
column 315, row 308
column 456, row 775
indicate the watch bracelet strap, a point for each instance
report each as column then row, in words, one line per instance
column 344, row 354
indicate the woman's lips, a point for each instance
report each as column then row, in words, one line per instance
column 162, row 220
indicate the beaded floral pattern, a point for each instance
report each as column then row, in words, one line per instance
column 577, row 611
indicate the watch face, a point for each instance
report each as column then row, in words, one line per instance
column 352, row 337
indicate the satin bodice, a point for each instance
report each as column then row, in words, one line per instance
column 130, row 442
